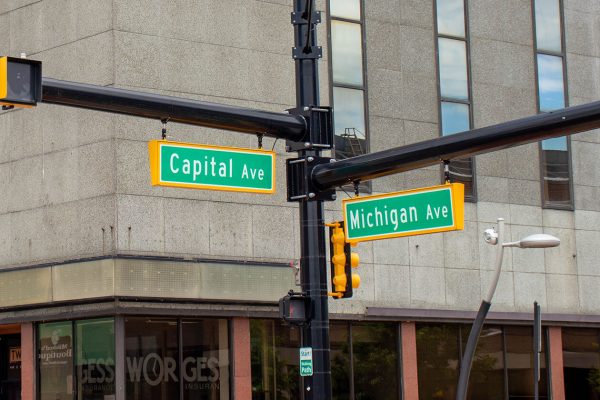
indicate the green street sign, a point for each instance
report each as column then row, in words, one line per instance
column 306, row 361
column 196, row 166
column 407, row 213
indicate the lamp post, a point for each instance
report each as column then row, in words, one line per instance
column 536, row 241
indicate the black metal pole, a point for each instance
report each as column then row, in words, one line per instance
column 467, row 359
column 174, row 109
column 477, row 141
column 537, row 348
column 313, row 272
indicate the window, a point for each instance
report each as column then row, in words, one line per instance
column 581, row 358
column 274, row 360
column 167, row 358
column 93, row 359
column 375, row 361
column 454, row 82
column 502, row 367
column 364, row 360
column 552, row 95
column 55, row 360
column 348, row 77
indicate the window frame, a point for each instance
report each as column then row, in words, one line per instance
column 546, row 203
column 469, row 102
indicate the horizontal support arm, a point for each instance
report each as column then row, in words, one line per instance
column 477, row 141
column 175, row 109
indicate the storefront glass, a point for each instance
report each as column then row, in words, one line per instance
column 205, row 365
column 437, row 360
column 274, row 360
column 95, row 360
column 375, row 361
column 519, row 364
column 581, row 358
column 502, row 367
column 55, row 360
column 176, row 359
column 340, row 360
column 363, row 356
column 487, row 371
column 151, row 368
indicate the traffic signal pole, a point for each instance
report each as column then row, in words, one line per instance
column 313, row 266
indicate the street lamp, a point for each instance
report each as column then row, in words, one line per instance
column 536, row 241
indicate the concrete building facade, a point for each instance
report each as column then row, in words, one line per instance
column 105, row 279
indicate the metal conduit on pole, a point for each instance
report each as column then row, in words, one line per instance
column 174, row 109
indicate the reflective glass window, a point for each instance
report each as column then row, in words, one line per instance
column 453, row 69
column 205, row 359
column 461, row 170
column 558, row 144
column 551, row 88
column 437, row 360
column 95, row 361
column 581, row 360
column 349, row 122
column 151, row 355
column 556, row 178
column 340, row 360
column 519, row 364
column 348, row 9
column 55, row 360
column 487, row 372
column 455, row 118
column 547, row 25
column 346, row 53
column 375, row 361
column 274, row 360
column 451, row 17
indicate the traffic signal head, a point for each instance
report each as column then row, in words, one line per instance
column 20, row 82
column 342, row 262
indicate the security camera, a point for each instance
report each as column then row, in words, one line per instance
column 490, row 236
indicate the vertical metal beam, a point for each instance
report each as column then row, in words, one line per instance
column 120, row 364
column 313, row 273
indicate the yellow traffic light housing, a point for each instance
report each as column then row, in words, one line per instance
column 20, row 82
column 342, row 262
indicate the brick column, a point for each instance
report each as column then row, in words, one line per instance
column 410, row 383
column 556, row 362
column 242, row 379
column 27, row 362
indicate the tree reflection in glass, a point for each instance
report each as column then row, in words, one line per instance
column 340, row 360
column 274, row 360
column 375, row 361
column 437, row 361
